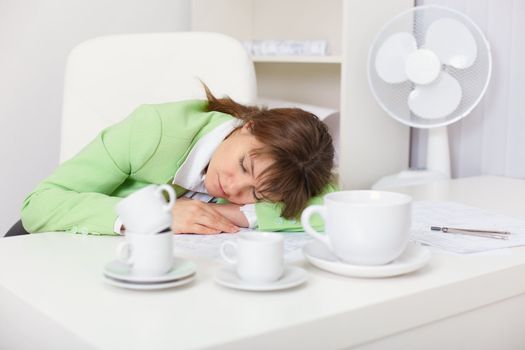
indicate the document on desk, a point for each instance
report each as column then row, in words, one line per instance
column 424, row 215
column 451, row 214
column 208, row 245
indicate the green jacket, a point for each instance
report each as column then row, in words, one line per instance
column 145, row 148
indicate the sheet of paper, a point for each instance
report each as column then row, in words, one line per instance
column 208, row 245
column 424, row 215
column 451, row 214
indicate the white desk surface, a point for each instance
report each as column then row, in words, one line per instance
column 52, row 294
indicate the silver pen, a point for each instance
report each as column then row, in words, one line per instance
column 473, row 232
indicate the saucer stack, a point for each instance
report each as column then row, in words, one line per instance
column 119, row 274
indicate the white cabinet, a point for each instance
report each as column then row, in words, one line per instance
column 372, row 144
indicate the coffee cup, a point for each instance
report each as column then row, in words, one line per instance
column 258, row 257
column 147, row 255
column 146, row 210
column 363, row 227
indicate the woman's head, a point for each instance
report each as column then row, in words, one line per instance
column 234, row 171
column 281, row 155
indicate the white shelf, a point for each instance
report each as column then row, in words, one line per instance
column 297, row 59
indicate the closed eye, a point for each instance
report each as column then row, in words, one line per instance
column 241, row 164
column 245, row 170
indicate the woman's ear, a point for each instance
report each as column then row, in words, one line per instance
column 247, row 127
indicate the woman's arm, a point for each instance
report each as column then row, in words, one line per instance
column 269, row 215
column 193, row 216
column 233, row 213
column 76, row 197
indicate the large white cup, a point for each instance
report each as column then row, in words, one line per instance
column 258, row 258
column 147, row 255
column 146, row 210
column 363, row 227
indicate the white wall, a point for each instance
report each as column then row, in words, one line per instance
column 35, row 38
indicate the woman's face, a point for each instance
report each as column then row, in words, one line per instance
column 232, row 173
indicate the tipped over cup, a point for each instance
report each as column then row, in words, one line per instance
column 147, row 211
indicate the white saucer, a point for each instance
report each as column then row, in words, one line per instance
column 117, row 270
column 413, row 258
column 292, row 276
column 149, row 285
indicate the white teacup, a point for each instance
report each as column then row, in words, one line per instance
column 259, row 256
column 363, row 227
column 146, row 210
column 147, row 255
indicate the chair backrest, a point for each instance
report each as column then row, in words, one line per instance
column 108, row 77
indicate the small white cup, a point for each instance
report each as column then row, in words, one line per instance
column 259, row 256
column 363, row 227
column 147, row 255
column 146, row 210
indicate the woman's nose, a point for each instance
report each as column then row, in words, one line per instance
column 240, row 185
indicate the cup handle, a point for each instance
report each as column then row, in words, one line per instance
column 305, row 221
column 124, row 253
column 225, row 256
column 172, row 197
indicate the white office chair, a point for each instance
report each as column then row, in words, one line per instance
column 108, row 77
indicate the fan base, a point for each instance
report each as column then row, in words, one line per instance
column 411, row 177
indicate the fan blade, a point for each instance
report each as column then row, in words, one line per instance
column 452, row 41
column 422, row 67
column 436, row 100
column 391, row 57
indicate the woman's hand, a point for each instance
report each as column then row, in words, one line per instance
column 192, row 216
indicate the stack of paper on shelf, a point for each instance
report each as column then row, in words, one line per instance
column 286, row 47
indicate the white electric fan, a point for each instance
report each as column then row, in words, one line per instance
column 428, row 67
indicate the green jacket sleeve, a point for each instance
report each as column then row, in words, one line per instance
column 77, row 196
column 269, row 218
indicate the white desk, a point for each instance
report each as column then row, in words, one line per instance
column 52, row 296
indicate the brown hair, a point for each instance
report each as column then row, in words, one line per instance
column 298, row 143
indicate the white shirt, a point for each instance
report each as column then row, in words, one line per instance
column 190, row 174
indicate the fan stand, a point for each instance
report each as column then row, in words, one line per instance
column 438, row 152
column 438, row 164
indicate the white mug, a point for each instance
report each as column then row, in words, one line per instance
column 146, row 210
column 147, row 255
column 259, row 256
column 363, row 227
